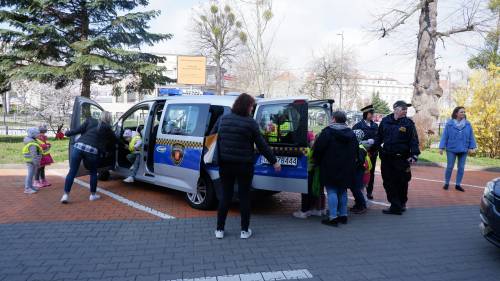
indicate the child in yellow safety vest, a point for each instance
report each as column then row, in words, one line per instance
column 134, row 140
column 40, row 180
column 32, row 153
column 362, row 176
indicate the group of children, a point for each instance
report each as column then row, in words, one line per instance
column 313, row 203
column 36, row 153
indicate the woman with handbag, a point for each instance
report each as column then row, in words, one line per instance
column 237, row 134
column 96, row 136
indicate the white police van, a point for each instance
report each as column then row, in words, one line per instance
column 173, row 132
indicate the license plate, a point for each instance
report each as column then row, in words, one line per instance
column 283, row 160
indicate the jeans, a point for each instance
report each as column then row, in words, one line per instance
column 450, row 156
column 357, row 190
column 229, row 174
column 90, row 161
column 134, row 158
column 32, row 170
column 337, row 201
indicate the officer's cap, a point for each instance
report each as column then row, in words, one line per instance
column 368, row 108
column 401, row 103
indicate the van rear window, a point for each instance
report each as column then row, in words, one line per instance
column 283, row 124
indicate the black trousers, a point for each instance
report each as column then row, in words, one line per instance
column 308, row 200
column 369, row 188
column 396, row 174
column 40, row 175
column 230, row 173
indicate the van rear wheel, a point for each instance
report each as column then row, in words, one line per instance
column 204, row 197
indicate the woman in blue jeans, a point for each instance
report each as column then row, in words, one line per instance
column 458, row 140
column 96, row 136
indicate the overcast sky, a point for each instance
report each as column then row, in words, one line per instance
column 307, row 27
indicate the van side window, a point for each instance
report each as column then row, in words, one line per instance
column 283, row 124
column 135, row 120
column 182, row 119
column 215, row 112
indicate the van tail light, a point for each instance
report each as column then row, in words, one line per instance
column 299, row 102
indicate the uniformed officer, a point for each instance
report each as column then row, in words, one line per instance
column 398, row 139
column 370, row 130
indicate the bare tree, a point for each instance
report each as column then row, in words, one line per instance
column 327, row 76
column 426, row 84
column 256, row 24
column 218, row 34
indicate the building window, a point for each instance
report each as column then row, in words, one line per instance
column 131, row 97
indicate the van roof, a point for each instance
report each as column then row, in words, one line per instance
column 219, row 100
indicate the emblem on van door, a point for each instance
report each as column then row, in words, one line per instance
column 177, row 154
column 161, row 149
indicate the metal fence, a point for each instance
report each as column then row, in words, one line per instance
column 16, row 124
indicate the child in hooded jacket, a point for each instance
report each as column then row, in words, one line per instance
column 40, row 180
column 32, row 153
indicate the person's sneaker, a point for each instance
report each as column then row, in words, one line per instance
column 29, row 191
column 459, row 188
column 246, row 234
column 342, row 219
column 45, row 183
column 129, row 179
column 331, row 222
column 316, row 213
column 219, row 234
column 65, row 198
column 94, row 197
column 445, row 187
column 131, row 168
column 324, row 212
column 300, row 214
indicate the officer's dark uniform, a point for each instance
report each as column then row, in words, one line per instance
column 371, row 132
column 399, row 141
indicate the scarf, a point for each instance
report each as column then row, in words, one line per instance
column 459, row 124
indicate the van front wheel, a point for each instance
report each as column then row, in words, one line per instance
column 204, row 197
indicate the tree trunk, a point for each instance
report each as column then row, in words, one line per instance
column 218, row 77
column 86, row 78
column 426, row 86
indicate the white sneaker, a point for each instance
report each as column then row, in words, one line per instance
column 316, row 213
column 219, row 234
column 65, row 198
column 94, row 197
column 29, row 191
column 129, row 179
column 300, row 214
column 131, row 168
column 246, row 234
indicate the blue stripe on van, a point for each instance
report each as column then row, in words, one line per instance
column 190, row 160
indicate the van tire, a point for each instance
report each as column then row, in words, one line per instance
column 205, row 198
column 103, row 175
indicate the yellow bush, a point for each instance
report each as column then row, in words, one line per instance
column 484, row 110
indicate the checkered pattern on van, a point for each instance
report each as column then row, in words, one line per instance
column 186, row 144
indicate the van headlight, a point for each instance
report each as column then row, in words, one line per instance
column 488, row 191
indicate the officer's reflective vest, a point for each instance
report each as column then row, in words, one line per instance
column 26, row 149
column 45, row 151
column 133, row 141
column 284, row 129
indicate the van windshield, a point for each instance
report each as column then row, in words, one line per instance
column 284, row 123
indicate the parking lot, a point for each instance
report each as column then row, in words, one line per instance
column 142, row 232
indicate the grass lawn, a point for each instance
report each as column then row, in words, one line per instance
column 433, row 156
column 13, row 145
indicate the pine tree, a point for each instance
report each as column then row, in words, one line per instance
column 380, row 105
column 57, row 41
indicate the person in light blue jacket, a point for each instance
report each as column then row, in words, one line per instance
column 458, row 140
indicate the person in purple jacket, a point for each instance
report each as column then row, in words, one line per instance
column 458, row 140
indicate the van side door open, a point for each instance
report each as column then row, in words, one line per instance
column 179, row 144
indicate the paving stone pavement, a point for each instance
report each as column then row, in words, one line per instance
column 424, row 244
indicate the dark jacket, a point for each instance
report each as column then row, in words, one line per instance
column 101, row 138
column 371, row 132
column 398, row 137
column 336, row 151
column 236, row 138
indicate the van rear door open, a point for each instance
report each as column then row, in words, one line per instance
column 283, row 123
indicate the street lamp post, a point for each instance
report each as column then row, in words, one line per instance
column 341, row 68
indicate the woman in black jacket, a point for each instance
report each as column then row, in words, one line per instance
column 237, row 133
column 95, row 137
